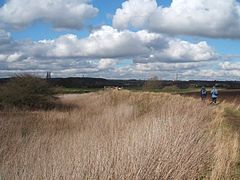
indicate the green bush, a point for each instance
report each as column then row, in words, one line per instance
column 27, row 92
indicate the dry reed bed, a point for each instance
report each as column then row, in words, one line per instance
column 226, row 148
column 112, row 135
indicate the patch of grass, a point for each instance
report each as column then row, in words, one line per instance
column 232, row 123
column 175, row 90
column 64, row 90
column 233, row 118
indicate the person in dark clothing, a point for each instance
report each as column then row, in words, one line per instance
column 203, row 93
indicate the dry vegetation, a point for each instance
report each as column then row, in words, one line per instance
column 118, row 135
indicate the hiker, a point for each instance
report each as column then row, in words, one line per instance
column 203, row 93
column 214, row 94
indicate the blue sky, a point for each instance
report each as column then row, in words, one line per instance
column 121, row 39
column 40, row 30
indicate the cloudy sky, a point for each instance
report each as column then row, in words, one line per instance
column 133, row 39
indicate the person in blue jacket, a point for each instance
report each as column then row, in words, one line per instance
column 214, row 94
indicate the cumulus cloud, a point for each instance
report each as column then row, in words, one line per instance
column 161, row 70
column 179, row 51
column 100, row 55
column 166, row 66
column 105, row 42
column 202, row 18
column 134, row 12
column 63, row 14
column 185, row 71
column 230, row 66
column 106, row 63
column 108, row 42
column 11, row 58
column 211, row 74
column 183, row 50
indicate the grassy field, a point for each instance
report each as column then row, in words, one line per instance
column 62, row 90
column 120, row 135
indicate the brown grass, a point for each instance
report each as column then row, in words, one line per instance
column 226, row 148
column 115, row 135
column 228, row 138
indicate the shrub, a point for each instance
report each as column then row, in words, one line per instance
column 27, row 92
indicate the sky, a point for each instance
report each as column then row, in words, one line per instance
column 121, row 39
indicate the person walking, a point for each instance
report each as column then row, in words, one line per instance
column 203, row 93
column 214, row 94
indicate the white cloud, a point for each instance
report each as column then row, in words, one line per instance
column 184, row 51
column 108, row 42
column 211, row 74
column 14, row 57
column 134, row 12
column 66, row 14
column 166, row 66
column 106, row 63
column 100, row 55
column 209, row 18
column 105, row 42
column 179, row 51
column 230, row 66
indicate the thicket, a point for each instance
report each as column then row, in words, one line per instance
column 27, row 92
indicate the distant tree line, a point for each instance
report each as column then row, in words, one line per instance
column 85, row 82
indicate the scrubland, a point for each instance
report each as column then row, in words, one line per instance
column 119, row 135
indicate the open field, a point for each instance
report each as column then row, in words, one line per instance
column 119, row 135
column 228, row 95
column 62, row 90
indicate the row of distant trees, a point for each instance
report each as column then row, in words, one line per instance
column 155, row 83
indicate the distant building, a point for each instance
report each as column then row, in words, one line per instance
column 48, row 75
column 112, row 88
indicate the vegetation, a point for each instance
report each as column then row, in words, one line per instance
column 118, row 135
column 232, row 124
column 63, row 90
column 26, row 92
column 152, row 84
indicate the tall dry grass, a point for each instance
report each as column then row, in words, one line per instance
column 226, row 149
column 111, row 135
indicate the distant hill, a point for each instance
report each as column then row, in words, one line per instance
column 86, row 82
